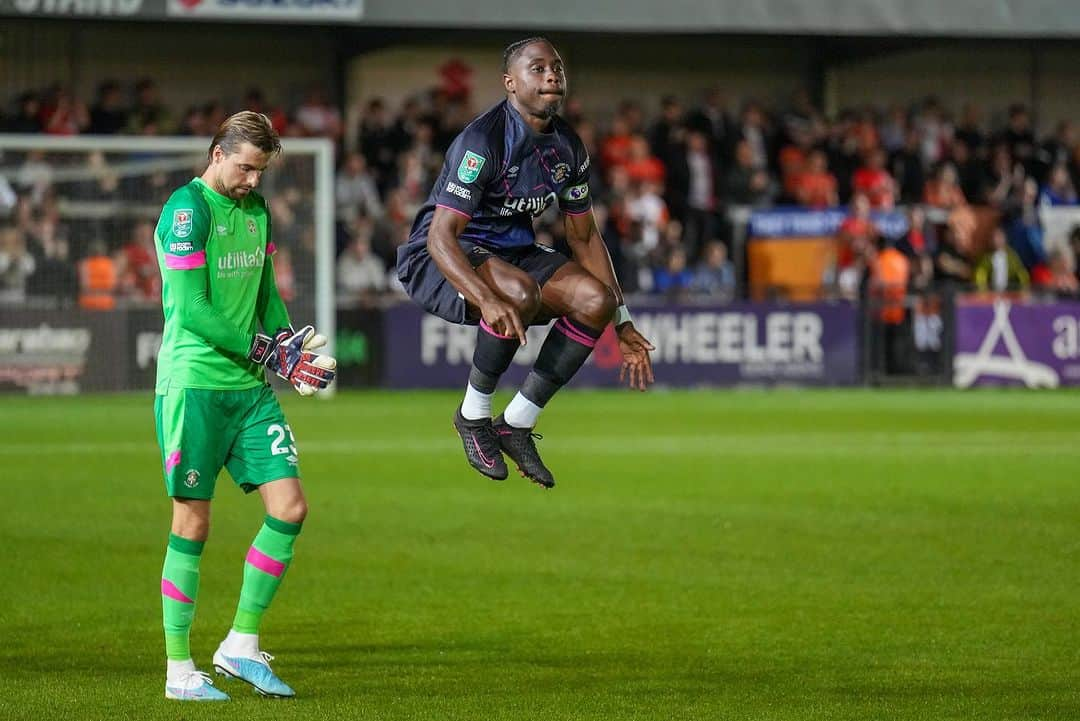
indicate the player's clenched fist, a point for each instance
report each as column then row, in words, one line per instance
column 289, row 354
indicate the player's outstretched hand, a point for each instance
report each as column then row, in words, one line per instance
column 636, row 366
column 292, row 359
column 503, row 319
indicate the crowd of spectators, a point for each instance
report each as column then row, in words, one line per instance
column 661, row 182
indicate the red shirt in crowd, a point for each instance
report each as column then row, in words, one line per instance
column 142, row 271
column 791, row 159
column 877, row 185
column 615, row 150
column 646, row 170
column 856, row 234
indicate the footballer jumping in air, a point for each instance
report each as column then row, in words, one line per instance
column 472, row 258
column 213, row 406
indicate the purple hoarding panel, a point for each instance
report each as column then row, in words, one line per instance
column 1004, row 343
column 741, row 343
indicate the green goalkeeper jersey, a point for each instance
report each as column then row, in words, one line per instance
column 215, row 256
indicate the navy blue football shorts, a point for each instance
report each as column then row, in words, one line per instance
column 430, row 289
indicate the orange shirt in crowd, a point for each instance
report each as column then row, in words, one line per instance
column 815, row 190
column 943, row 195
column 97, row 283
column 891, row 271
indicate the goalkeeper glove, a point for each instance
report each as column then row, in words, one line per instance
column 289, row 355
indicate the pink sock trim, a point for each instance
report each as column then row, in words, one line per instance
column 172, row 461
column 574, row 334
column 488, row 329
column 264, row 563
column 168, row 588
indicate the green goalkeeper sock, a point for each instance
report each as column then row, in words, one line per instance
column 265, row 566
column 179, row 587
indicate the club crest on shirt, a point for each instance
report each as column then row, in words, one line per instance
column 252, row 228
column 470, row 167
column 560, row 172
column 181, row 222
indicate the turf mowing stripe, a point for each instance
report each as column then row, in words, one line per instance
column 787, row 444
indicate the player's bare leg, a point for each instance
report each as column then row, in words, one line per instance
column 582, row 306
column 493, row 355
column 239, row 655
column 191, row 519
column 573, row 292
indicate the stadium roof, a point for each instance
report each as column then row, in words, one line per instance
column 912, row 18
column 974, row 18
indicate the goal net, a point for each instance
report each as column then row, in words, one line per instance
column 77, row 219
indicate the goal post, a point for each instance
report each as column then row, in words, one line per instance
column 90, row 192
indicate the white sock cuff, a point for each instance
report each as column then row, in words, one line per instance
column 241, row 644
column 476, row 405
column 521, row 412
column 174, row 668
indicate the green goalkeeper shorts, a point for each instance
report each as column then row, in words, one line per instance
column 202, row 431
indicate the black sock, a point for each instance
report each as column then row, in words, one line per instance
column 565, row 350
column 492, row 357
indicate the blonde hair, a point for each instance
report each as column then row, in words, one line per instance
column 246, row 127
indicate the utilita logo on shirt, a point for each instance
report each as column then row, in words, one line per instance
column 534, row 205
column 237, row 262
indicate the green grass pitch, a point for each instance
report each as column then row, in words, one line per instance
column 706, row 555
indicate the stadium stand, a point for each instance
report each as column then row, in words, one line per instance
column 664, row 187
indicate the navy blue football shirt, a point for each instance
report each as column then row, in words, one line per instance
column 500, row 174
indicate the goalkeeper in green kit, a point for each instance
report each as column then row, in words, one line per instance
column 213, row 406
